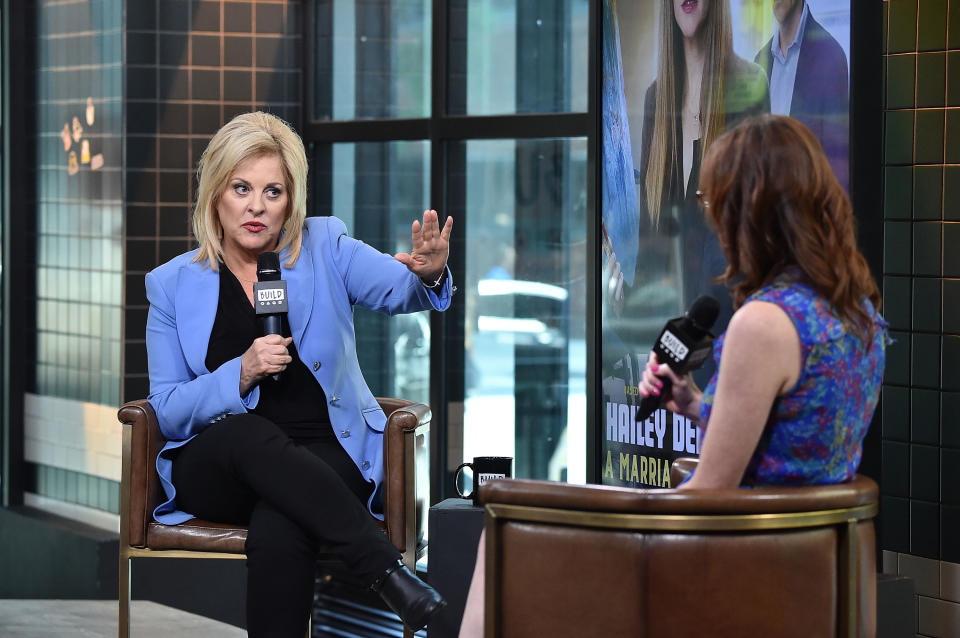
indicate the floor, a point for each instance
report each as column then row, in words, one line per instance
column 98, row 619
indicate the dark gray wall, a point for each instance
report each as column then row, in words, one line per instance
column 920, row 506
column 190, row 67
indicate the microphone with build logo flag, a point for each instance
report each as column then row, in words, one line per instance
column 270, row 296
column 683, row 345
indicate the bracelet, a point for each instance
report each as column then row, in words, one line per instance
column 434, row 285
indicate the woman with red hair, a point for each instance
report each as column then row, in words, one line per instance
column 800, row 365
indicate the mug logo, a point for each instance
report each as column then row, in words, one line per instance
column 484, row 477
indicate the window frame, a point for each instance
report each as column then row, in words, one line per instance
column 440, row 128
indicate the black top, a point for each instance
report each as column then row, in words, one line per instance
column 296, row 402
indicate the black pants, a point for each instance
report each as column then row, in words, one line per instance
column 246, row 470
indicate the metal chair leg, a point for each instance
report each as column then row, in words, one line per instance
column 124, row 597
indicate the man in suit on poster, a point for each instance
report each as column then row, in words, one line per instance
column 807, row 71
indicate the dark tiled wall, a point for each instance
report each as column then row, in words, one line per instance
column 191, row 66
column 79, row 208
column 921, row 284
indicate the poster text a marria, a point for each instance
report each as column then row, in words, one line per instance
column 638, row 469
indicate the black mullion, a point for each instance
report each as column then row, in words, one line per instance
column 438, row 61
column 18, row 230
column 448, row 338
column 438, row 333
column 866, row 118
column 307, row 57
column 866, row 172
column 454, row 127
column 439, row 395
column 593, row 333
column 374, row 130
column 310, row 54
column 523, row 126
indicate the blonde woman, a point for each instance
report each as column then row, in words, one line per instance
column 296, row 457
column 702, row 89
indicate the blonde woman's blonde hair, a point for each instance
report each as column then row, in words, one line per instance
column 247, row 136
column 671, row 69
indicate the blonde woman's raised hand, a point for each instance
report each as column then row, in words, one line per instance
column 431, row 247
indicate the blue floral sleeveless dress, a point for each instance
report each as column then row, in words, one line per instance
column 815, row 431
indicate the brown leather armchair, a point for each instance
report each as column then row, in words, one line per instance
column 405, row 447
column 577, row 560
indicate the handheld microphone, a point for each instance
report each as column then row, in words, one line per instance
column 270, row 295
column 683, row 345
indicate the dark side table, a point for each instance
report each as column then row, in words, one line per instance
column 455, row 526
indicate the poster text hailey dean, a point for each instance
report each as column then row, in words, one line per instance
column 627, row 439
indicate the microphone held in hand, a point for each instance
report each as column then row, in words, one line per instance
column 270, row 295
column 684, row 345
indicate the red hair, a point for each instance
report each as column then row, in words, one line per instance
column 777, row 206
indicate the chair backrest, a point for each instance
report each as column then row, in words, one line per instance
column 142, row 491
column 572, row 560
column 406, row 472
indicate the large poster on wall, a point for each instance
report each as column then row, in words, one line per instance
column 676, row 74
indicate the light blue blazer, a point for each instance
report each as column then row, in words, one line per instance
column 333, row 273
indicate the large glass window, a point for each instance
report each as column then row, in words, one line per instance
column 378, row 189
column 498, row 139
column 372, row 59
column 525, row 303
column 526, row 56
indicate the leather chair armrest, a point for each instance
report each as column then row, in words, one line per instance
column 405, row 469
column 681, row 468
column 140, row 485
column 605, row 498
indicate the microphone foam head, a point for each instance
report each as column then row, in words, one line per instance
column 268, row 267
column 704, row 311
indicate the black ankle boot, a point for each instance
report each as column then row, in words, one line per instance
column 408, row 596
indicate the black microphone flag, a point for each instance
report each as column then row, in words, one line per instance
column 684, row 345
column 270, row 295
